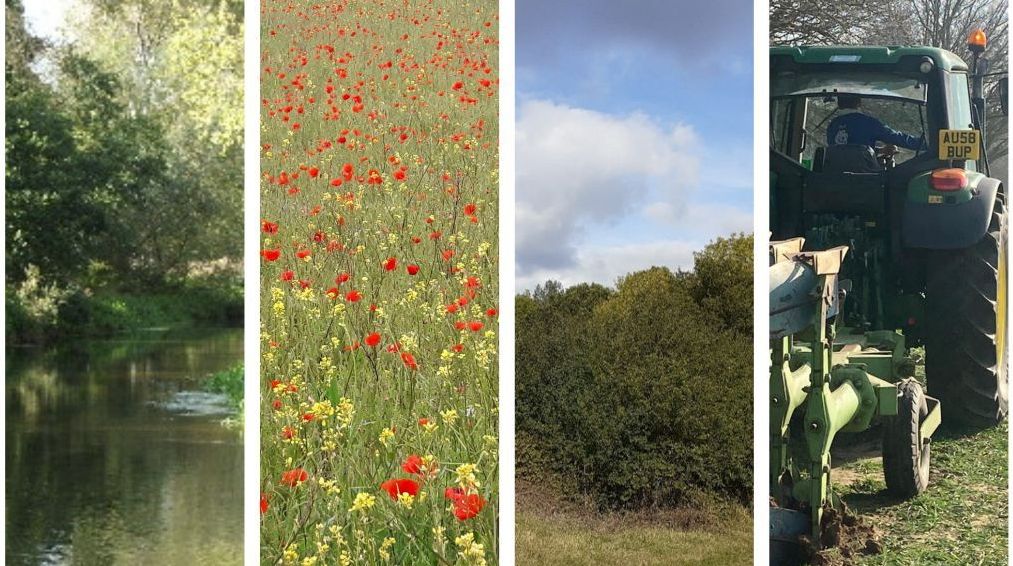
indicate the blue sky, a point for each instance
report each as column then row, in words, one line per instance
column 634, row 134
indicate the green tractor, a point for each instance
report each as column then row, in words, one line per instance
column 888, row 232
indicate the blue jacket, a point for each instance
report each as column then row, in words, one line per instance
column 856, row 128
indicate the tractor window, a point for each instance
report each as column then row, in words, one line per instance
column 864, row 84
column 960, row 102
column 902, row 115
column 780, row 123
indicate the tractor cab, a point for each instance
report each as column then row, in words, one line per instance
column 880, row 149
column 920, row 92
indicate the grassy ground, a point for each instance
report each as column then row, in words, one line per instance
column 960, row 519
column 551, row 534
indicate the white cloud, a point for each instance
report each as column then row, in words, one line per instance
column 579, row 167
column 705, row 218
column 605, row 264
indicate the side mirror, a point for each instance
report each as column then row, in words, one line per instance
column 1004, row 95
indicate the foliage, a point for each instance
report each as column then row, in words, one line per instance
column 641, row 396
column 38, row 312
column 379, row 283
column 228, row 382
column 124, row 145
column 33, row 306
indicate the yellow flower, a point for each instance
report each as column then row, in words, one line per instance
column 406, row 500
column 466, row 476
column 363, row 502
column 468, row 551
column 449, row 416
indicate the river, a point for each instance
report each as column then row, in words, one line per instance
column 115, row 456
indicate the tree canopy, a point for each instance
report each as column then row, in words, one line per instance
column 124, row 150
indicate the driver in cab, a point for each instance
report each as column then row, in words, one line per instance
column 852, row 127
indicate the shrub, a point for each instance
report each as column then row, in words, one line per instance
column 228, row 382
column 640, row 397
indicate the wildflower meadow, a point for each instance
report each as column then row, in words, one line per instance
column 378, row 273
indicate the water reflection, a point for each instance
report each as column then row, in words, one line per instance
column 99, row 472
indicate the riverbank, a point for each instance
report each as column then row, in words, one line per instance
column 49, row 316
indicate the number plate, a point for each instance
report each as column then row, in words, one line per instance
column 959, row 145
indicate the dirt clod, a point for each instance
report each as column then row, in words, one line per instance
column 845, row 537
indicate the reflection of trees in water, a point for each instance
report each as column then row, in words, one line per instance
column 91, row 465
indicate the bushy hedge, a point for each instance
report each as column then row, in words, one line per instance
column 641, row 396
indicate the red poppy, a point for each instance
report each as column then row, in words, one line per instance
column 467, row 506
column 412, row 464
column 412, row 269
column 333, row 293
column 294, row 477
column 476, row 325
column 313, row 171
column 399, row 486
column 269, row 227
column 453, row 493
column 276, row 404
column 491, row 312
column 270, row 255
column 263, row 503
column 287, row 433
column 390, row 264
column 423, row 421
column 347, row 171
column 353, row 296
column 342, row 278
column 374, row 177
column 409, row 361
column 373, row 339
column 287, row 275
column 301, row 254
column 400, row 175
column 470, row 209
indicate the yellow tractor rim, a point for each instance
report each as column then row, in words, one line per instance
column 1000, row 311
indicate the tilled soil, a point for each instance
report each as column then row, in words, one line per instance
column 845, row 537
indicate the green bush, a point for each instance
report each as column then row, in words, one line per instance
column 641, row 397
column 39, row 313
column 228, row 382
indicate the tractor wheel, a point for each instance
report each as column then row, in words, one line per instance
column 905, row 457
column 966, row 354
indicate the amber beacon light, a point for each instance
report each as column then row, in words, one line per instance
column 976, row 41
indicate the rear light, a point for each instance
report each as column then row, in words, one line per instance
column 949, row 179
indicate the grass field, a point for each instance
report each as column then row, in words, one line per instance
column 379, row 348
column 553, row 533
column 960, row 519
